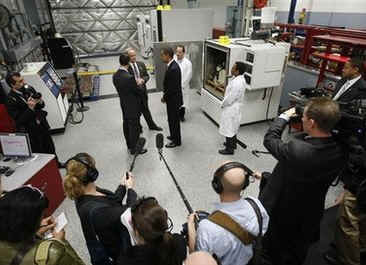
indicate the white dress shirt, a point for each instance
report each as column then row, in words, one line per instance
column 346, row 86
column 135, row 70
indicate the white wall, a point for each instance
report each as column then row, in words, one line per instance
column 329, row 6
column 219, row 7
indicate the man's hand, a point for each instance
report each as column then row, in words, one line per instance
column 47, row 224
column 128, row 181
column 140, row 81
column 257, row 175
column 191, row 231
column 291, row 112
column 339, row 198
column 163, row 100
column 191, row 220
column 31, row 102
column 60, row 235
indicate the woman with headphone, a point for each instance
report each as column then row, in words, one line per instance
column 155, row 244
column 99, row 209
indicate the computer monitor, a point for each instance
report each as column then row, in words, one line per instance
column 15, row 145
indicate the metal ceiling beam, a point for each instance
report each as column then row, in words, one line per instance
column 96, row 31
column 102, row 7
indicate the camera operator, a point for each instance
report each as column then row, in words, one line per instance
column 351, row 86
column 350, row 232
column 294, row 195
column 25, row 106
column 229, row 181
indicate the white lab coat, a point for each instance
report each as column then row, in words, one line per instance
column 186, row 70
column 231, row 107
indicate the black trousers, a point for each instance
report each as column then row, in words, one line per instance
column 131, row 130
column 231, row 143
column 174, row 121
column 146, row 113
column 284, row 249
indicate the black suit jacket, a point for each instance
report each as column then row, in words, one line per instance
column 295, row 193
column 173, row 84
column 26, row 120
column 129, row 94
column 356, row 91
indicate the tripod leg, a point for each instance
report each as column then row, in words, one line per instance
column 80, row 96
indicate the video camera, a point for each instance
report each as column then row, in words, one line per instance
column 29, row 91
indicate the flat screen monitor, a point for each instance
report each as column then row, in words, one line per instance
column 15, row 145
column 55, row 89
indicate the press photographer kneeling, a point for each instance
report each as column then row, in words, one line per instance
column 216, row 234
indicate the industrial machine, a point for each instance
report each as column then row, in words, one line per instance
column 166, row 26
column 43, row 77
column 265, row 61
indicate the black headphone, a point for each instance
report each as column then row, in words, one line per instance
column 91, row 172
column 216, row 181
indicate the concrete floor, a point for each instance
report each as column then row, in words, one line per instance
column 193, row 164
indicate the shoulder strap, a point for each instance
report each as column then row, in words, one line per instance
column 258, row 213
column 225, row 221
column 41, row 256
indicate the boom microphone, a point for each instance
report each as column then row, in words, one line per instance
column 159, row 146
column 159, row 141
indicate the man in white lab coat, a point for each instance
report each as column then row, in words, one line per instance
column 231, row 108
column 186, row 69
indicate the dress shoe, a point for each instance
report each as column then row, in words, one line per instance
column 169, row 138
column 143, row 151
column 156, row 128
column 225, row 145
column 331, row 257
column 171, row 145
column 226, row 152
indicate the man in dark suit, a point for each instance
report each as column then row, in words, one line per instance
column 295, row 193
column 26, row 109
column 138, row 70
column 352, row 86
column 172, row 95
column 130, row 100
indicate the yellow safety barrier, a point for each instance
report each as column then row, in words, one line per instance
column 110, row 72
column 96, row 73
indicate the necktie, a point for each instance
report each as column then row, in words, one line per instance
column 136, row 72
column 341, row 91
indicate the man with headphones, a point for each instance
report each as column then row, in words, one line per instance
column 229, row 180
